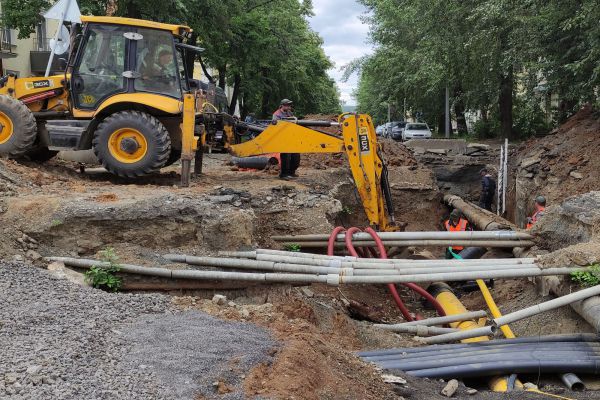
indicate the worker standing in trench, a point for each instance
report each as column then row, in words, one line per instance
column 488, row 188
column 456, row 223
column 289, row 162
column 540, row 207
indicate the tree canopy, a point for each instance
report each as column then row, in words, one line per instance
column 498, row 58
column 263, row 49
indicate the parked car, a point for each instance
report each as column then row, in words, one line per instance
column 396, row 130
column 380, row 130
column 416, row 131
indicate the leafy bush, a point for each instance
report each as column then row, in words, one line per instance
column 292, row 247
column 103, row 277
column 588, row 278
column 528, row 118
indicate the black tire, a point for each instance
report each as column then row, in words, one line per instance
column 156, row 137
column 174, row 156
column 24, row 128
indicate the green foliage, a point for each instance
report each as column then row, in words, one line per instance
column 103, row 277
column 292, row 247
column 588, row 278
column 346, row 210
column 489, row 53
column 264, row 50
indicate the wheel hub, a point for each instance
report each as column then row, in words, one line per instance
column 6, row 128
column 129, row 145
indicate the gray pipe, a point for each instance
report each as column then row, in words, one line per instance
column 436, row 270
column 420, row 330
column 571, row 337
column 436, row 320
column 503, row 367
column 547, row 305
column 408, row 243
column 335, row 280
column 363, row 263
column 427, row 235
column 375, row 260
column 572, row 382
column 194, row 274
column 466, row 334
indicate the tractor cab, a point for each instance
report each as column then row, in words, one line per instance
column 122, row 55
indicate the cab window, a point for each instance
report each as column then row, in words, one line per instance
column 100, row 72
column 158, row 71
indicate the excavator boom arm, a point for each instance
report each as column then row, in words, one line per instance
column 358, row 140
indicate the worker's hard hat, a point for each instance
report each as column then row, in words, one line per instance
column 286, row 102
column 541, row 200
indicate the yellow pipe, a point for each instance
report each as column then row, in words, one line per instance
column 452, row 306
column 494, row 310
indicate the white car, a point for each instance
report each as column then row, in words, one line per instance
column 416, row 131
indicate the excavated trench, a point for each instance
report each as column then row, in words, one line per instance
column 316, row 325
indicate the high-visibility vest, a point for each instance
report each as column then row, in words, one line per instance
column 536, row 215
column 460, row 227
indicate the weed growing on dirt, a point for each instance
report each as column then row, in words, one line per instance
column 56, row 222
column 346, row 210
column 588, row 278
column 102, row 277
column 292, row 247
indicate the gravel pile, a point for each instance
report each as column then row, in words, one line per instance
column 62, row 341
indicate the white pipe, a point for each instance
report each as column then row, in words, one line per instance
column 335, row 280
column 407, row 243
column 426, row 235
column 437, row 320
column 547, row 305
column 500, row 180
column 433, row 270
column 463, row 334
column 376, row 263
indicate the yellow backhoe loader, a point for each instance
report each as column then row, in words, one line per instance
column 127, row 94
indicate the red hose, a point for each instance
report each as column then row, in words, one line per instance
column 397, row 299
column 332, row 238
column 414, row 287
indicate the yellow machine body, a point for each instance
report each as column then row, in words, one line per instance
column 357, row 139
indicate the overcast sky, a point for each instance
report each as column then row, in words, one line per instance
column 345, row 36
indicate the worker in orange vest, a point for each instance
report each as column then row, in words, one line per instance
column 540, row 207
column 456, row 223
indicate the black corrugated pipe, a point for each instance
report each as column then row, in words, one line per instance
column 509, row 367
column 489, row 350
column 415, row 364
column 257, row 162
column 575, row 337
column 472, row 252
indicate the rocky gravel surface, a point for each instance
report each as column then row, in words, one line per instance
column 59, row 340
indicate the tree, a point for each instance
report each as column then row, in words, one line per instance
column 263, row 49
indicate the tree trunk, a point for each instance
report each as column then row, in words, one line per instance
column 565, row 109
column 205, row 70
column 459, row 112
column 237, row 81
column 505, row 104
column 132, row 10
column 222, row 82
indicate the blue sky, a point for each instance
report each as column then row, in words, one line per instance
column 345, row 36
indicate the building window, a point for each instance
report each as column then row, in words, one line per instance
column 42, row 39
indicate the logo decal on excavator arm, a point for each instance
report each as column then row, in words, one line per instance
column 363, row 138
column 38, row 84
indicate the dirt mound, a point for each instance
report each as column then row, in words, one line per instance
column 560, row 165
column 394, row 153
